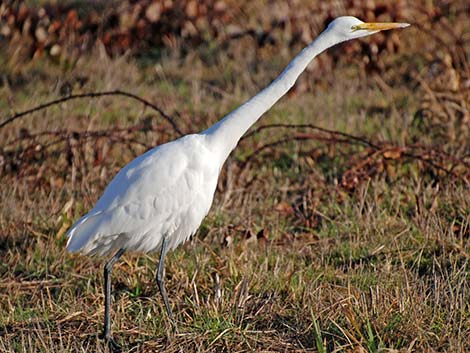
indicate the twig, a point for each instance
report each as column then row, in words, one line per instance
column 312, row 127
column 411, row 151
column 93, row 95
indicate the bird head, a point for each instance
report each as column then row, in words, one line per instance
column 349, row 27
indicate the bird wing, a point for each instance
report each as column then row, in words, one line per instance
column 151, row 197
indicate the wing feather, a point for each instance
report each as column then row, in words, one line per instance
column 157, row 194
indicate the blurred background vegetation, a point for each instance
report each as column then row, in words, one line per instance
column 340, row 223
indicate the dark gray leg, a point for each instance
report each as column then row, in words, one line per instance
column 161, row 279
column 108, row 267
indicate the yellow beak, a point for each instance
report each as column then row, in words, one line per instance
column 379, row 26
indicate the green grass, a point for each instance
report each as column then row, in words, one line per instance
column 288, row 259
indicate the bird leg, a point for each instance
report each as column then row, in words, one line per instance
column 108, row 267
column 161, row 279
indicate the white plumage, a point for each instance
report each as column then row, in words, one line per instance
column 160, row 198
column 165, row 192
column 168, row 191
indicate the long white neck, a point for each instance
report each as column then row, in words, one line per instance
column 223, row 136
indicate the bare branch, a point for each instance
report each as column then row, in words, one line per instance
column 168, row 118
column 361, row 140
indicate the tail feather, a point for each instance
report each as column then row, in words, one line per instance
column 83, row 232
column 86, row 235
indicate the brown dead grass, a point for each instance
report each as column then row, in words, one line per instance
column 289, row 258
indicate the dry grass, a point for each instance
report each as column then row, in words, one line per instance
column 289, row 258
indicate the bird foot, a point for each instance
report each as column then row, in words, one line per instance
column 174, row 326
column 113, row 346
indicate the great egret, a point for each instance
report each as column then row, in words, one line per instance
column 158, row 200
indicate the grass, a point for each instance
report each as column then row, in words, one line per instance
column 288, row 258
column 381, row 281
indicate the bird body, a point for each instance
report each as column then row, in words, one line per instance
column 166, row 192
column 159, row 199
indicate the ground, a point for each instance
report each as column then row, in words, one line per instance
column 344, row 226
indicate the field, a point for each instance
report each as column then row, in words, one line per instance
column 341, row 222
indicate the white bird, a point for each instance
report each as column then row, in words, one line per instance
column 157, row 201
